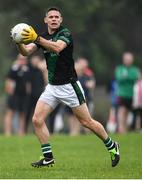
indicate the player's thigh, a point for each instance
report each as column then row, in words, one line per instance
column 42, row 110
column 81, row 112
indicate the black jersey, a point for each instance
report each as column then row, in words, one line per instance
column 60, row 66
column 36, row 81
column 20, row 76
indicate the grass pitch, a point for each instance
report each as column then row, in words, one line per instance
column 80, row 157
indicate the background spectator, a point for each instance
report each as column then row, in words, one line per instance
column 137, row 104
column 17, row 87
column 126, row 75
column 87, row 80
column 112, row 118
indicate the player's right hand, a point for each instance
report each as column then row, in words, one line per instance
column 29, row 35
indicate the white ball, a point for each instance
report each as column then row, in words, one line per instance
column 17, row 30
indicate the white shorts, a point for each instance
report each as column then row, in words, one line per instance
column 71, row 94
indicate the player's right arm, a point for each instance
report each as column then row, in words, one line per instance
column 27, row 50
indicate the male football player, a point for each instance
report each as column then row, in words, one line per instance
column 63, row 85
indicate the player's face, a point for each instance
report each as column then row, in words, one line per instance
column 53, row 19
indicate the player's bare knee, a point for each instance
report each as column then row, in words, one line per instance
column 36, row 121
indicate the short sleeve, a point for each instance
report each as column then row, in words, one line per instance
column 65, row 36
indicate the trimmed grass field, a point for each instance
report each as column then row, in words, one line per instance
column 80, row 157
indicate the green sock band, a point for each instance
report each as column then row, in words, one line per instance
column 46, row 149
column 109, row 143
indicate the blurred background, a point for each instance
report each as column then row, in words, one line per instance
column 102, row 31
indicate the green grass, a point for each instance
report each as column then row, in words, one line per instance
column 78, row 157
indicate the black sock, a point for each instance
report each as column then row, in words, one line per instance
column 109, row 143
column 46, row 150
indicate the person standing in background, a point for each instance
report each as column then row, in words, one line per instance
column 17, row 87
column 125, row 75
column 87, row 80
column 112, row 118
column 137, row 104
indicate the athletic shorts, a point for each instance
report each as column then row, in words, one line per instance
column 71, row 94
column 126, row 102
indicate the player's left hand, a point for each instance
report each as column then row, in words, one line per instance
column 29, row 35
